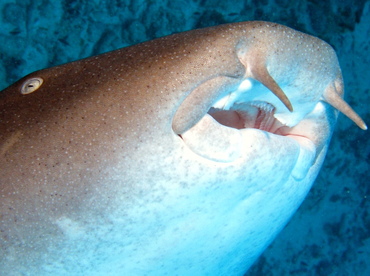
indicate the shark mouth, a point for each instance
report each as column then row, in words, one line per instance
column 229, row 128
column 228, row 135
column 256, row 114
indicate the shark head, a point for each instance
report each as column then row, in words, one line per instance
column 182, row 155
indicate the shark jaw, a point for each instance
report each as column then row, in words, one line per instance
column 234, row 125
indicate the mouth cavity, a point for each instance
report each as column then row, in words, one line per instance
column 224, row 135
column 228, row 128
column 256, row 114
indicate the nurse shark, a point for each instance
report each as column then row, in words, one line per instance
column 184, row 155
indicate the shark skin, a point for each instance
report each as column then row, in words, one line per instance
column 184, row 155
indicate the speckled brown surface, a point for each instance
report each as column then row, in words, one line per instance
column 330, row 233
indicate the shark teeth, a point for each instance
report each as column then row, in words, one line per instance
column 265, row 117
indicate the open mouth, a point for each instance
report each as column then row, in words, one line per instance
column 228, row 132
column 256, row 114
column 231, row 127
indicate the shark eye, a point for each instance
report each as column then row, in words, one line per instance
column 31, row 85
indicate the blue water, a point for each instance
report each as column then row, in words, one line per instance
column 330, row 234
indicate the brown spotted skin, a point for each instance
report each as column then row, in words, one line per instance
column 95, row 181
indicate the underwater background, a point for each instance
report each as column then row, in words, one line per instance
column 330, row 233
